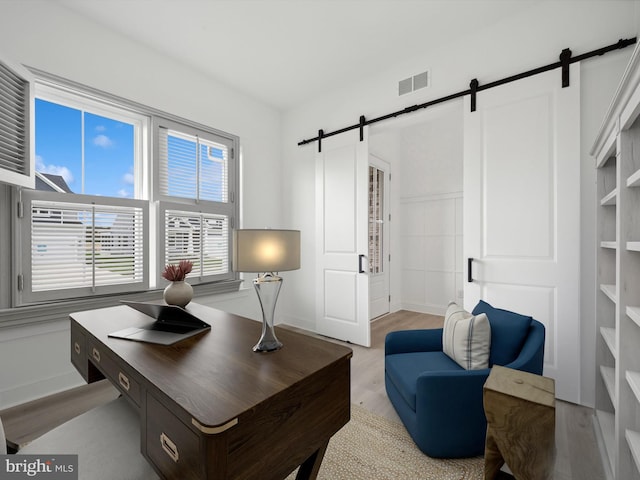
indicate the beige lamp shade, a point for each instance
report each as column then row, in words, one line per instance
column 266, row 250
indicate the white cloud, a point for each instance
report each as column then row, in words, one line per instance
column 123, row 193
column 102, row 141
column 128, row 178
column 64, row 172
column 100, row 128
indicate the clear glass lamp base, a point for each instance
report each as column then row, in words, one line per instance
column 267, row 287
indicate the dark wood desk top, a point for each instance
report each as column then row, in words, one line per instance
column 215, row 376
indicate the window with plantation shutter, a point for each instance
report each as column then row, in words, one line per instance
column 195, row 169
column 119, row 193
column 16, row 121
column 83, row 245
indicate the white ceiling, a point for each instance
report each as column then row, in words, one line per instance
column 282, row 52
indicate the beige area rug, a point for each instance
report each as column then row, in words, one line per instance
column 371, row 447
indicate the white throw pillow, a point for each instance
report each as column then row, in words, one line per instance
column 466, row 338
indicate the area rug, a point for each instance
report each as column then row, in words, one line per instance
column 371, row 447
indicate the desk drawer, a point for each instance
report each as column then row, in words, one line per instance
column 79, row 352
column 171, row 446
column 119, row 376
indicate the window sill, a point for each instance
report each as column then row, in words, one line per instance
column 55, row 311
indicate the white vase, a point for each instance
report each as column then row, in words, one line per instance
column 178, row 293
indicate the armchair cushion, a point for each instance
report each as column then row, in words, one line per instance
column 508, row 332
column 404, row 368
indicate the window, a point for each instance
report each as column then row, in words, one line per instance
column 97, row 221
column 196, row 207
column 94, row 150
column 376, row 220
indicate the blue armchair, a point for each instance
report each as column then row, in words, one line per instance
column 439, row 402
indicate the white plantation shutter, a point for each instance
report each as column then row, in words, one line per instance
column 202, row 238
column 84, row 248
column 16, row 122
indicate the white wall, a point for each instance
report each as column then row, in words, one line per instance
column 529, row 40
column 47, row 36
column 426, row 266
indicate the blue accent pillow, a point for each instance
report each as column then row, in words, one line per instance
column 508, row 332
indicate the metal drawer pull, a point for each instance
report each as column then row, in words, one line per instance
column 124, row 381
column 169, row 447
column 76, row 347
column 96, row 355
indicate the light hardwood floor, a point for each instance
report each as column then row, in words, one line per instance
column 577, row 457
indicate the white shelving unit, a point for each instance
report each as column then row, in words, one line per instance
column 617, row 154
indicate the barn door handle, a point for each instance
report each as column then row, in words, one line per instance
column 469, row 270
column 360, row 267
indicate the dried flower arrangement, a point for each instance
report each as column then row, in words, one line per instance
column 177, row 273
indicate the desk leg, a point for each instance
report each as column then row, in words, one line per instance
column 309, row 469
column 493, row 460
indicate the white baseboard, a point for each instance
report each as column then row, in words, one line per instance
column 422, row 308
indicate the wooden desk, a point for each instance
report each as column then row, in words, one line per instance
column 210, row 407
column 520, row 410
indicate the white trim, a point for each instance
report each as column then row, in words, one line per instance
column 430, row 197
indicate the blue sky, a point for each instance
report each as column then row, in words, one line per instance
column 108, row 147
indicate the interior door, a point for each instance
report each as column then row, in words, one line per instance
column 522, row 214
column 379, row 300
column 342, row 283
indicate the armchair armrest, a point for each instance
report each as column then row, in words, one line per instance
column 406, row 341
column 531, row 358
column 449, row 410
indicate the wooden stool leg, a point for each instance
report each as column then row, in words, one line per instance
column 493, row 460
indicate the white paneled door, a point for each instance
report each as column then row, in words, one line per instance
column 342, row 284
column 522, row 213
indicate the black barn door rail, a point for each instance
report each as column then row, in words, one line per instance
column 566, row 59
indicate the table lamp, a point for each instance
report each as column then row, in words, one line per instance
column 266, row 252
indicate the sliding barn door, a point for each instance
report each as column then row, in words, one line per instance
column 522, row 212
column 342, row 283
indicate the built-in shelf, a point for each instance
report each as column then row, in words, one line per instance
column 609, row 335
column 634, row 180
column 633, row 439
column 610, row 198
column 617, row 392
column 609, row 377
column 634, row 314
column 633, row 246
column 610, row 291
column 633, row 379
column 607, row 423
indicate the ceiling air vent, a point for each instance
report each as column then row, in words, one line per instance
column 411, row 84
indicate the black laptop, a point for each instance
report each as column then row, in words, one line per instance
column 170, row 324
